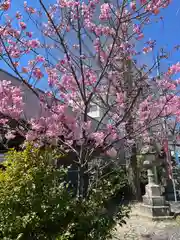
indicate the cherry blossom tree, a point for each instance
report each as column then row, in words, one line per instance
column 87, row 52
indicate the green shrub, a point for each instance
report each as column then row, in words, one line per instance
column 98, row 215
column 35, row 202
column 33, row 196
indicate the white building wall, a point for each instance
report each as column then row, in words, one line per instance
column 32, row 107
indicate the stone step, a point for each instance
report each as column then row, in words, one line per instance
column 155, row 211
column 175, row 207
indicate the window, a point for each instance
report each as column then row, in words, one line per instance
column 93, row 108
column 94, row 111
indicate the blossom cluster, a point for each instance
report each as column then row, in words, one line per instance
column 84, row 54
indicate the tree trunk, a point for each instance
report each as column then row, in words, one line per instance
column 133, row 170
column 134, row 176
column 83, row 182
column 80, row 185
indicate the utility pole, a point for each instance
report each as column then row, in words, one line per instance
column 133, row 169
column 168, row 154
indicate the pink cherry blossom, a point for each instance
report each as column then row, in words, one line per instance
column 120, row 98
column 9, row 136
column 23, row 25
column 133, row 5
column 37, row 73
column 25, row 70
column 174, row 69
column 18, row 15
column 34, row 43
column 84, row 53
column 98, row 137
column 147, row 50
column 5, row 5
column 140, row 36
column 40, row 58
column 29, row 34
column 11, row 103
column 105, row 11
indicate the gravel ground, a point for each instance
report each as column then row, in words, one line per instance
column 141, row 228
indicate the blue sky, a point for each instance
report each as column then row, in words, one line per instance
column 166, row 33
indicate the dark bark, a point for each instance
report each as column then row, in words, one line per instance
column 80, row 185
column 133, row 170
column 83, row 183
column 134, row 176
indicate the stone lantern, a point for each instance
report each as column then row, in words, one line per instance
column 149, row 164
column 154, row 205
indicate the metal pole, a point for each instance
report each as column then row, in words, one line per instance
column 174, row 188
column 174, row 184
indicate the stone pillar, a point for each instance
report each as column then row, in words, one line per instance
column 154, row 205
column 150, row 175
column 156, row 175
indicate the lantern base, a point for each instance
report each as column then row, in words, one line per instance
column 156, row 212
column 154, row 205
